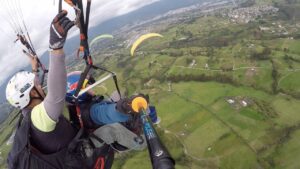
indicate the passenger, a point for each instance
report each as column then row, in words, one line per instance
column 44, row 137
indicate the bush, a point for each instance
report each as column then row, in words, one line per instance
column 275, row 76
column 263, row 55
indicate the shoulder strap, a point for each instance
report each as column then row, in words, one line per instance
column 20, row 141
column 109, row 159
column 20, row 120
column 74, row 143
column 92, row 135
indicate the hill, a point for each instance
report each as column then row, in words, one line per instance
column 225, row 82
column 227, row 90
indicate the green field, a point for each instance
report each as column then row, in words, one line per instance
column 199, row 125
column 212, row 132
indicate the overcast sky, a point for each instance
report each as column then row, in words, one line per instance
column 38, row 15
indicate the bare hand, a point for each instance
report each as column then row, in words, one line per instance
column 34, row 63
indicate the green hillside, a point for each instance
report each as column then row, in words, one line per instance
column 227, row 93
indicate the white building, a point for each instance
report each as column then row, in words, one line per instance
column 244, row 103
column 230, row 101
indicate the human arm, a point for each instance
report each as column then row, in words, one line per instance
column 56, row 84
column 45, row 115
column 34, row 68
column 56, row 81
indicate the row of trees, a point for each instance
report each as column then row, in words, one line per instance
column 222, row 78
column 265, row 109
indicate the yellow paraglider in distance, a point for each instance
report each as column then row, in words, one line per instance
column 141, row 39
column 104, row 36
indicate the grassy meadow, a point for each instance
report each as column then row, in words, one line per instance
column 228, row 94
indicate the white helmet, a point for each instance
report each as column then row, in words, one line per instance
column 18, row 89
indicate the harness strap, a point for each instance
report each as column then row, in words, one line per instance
column 20, row 119
column 88, row 9
column 114, row 77
column 105, row 162
column 110, row 158
column 97, row 138
column 80, row 83
column 78, row 112
column 31, row 148
column 59, row 6
column 116, row 84
column 83, row 76
column 73, row 144
column 99, row 163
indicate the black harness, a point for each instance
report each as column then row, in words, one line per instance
column 24, row 155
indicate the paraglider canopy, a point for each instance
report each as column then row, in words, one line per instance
column 97, row 38
column 141, row 39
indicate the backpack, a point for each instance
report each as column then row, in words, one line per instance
column 24, row 156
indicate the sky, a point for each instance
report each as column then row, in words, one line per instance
column 38, row 15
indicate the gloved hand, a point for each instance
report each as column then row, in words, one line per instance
column 125, row 105
column 59, row 29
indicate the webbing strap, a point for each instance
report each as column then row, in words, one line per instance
column 72, row 146
column 83, row 76
column 99, row 163
column 96, row 137
column 114, row 77
column 109, row 159
column 79, row 115
column 116, row 84
column 59, row 6
column 83, row 41
column 87, row 19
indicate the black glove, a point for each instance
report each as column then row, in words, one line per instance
column 124, row 105
column 59, row 29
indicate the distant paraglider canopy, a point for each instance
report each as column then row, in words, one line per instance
column 141, row 39
column 98, row 38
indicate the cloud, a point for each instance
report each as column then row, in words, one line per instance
column 38, row 15
column 104, row 10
